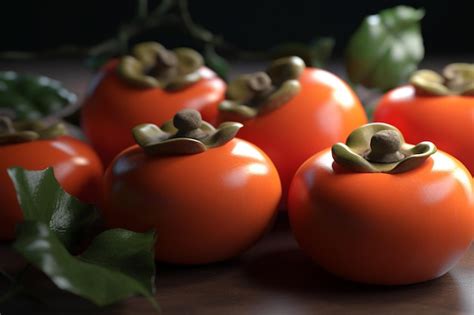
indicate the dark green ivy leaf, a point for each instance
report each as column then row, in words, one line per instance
column 31, row 97
column 386, row 48
column 42, row 199
column 117, row 265
column 216, row 62
column 125, row 251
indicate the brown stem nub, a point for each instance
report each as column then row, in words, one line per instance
column 166, row 59
column 188, row 123
column 261, row 86
column 165, row 65
column 259, row 82
column 385, row 147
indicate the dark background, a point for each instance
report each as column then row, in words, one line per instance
column 448, row 26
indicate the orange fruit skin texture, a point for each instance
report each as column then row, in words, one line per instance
column 381, row 228
column 113, row 108
column 205, row 207
column 76, row 167
column 447, row 121
column 324, row 112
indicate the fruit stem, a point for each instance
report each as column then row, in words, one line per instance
column 385, row 147
column 188, row 122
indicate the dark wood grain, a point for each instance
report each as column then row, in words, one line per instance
column 273, row 278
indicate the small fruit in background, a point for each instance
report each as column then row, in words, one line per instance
column 291, row 112
column 381, row 211
column 208, row 195
column 148, row 86
column 439, row 107
column 35, row 146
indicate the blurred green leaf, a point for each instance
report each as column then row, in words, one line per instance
column 386, row 48
column 315, row 54
column 31, row 97
column 96, row 61
column 42, row 199
column 321, row 51
column 117, row 265
column 216, row 62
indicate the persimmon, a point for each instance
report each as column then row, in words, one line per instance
column 208, row 196
column 35, row 147
column 149, row 86
column 435, row 107
column 378, row 210
column 291, row 112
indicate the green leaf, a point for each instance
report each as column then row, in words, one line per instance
column 96, row 61
column 314, row 54
column 129, row 252
column 42, row 199
column 216, row 62
column 386, row 48
column 31, row 97
column 109, row 271
column 321, row 51
column 117, row 264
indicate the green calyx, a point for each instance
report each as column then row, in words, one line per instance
column 29, row 97
column 186, row 134
column 258, row 93
column 456, row 79
column 380, row 148
column 153, row 66
column 18, row 132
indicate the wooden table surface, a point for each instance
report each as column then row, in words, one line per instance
column 274, row 277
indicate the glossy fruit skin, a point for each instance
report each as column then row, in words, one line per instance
column 113, row 108
column 76, row 167
column 205, row 207
column 381, row 228
column 325, row 111
column 447, row 121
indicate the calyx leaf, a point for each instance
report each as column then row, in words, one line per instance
column 259, row 93
column 456, row 79
column 186, row 134
column 386, row 48
column 380, row 148
column 19, row 132
column 153, row 66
